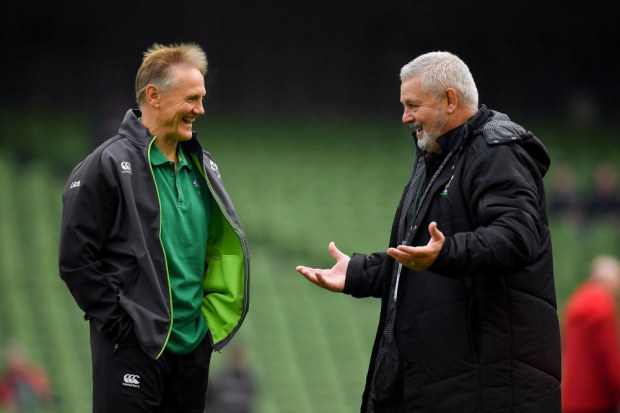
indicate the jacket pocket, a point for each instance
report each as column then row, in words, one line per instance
column 129, row 284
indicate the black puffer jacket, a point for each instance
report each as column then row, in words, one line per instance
column 478, row 331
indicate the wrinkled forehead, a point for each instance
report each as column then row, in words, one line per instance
column 188, row 77
column 411, row 89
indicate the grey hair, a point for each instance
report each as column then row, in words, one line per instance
column 439, row 71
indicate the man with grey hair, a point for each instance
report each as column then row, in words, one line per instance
column 151, row 247
column 468, row 316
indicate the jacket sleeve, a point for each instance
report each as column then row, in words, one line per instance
column 88, row 208
column 366, row 275
column 503, row 197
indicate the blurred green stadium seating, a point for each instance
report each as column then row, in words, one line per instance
column 297, row 184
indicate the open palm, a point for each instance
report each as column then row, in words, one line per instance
column 330, row 279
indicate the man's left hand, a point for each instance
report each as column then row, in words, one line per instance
column 420, row 258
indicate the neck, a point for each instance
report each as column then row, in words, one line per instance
column 461, row 117
column 168, row 148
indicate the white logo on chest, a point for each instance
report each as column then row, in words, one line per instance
column 131, row 380
column 215, row 169
column 125, row 167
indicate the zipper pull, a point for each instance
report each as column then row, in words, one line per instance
column 400, row 267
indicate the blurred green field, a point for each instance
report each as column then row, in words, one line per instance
column 298, row 184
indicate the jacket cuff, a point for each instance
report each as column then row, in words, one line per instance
column 354, row 271
column 440, row 265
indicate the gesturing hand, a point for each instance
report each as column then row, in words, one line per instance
column 420, row 258
column 332, row 279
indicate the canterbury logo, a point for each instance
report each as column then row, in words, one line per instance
column 74, row 184
column 125, row 167
column 215, row 169
column 131, row 380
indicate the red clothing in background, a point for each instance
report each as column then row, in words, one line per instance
column 591, row 355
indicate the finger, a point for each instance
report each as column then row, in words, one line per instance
column 399, row 255
column 326, row 283
column 301, row 268
column 405, row 259
column 434, row 231
column 320, row 280
column 407, row 249
column 335, row 252
column 308, row 273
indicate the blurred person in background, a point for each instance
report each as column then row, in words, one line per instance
column 604, row 197
column 590, row 346
column 468, row 313
column 233, row 390
column 151, row 247
column 565, row 201
column 24, row 386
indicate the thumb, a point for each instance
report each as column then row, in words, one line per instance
column 335, row 252
column 436, row 235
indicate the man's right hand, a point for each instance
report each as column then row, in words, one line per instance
column 330, row 279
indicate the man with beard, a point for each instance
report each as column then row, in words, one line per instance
column 468, row 317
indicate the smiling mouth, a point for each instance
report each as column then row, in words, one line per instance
column 416, row 127
column 188, row 121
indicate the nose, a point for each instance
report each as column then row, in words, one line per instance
column 408, row 115
column 199, row 109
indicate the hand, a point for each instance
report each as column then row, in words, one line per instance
column 332, row 279
column 420, row 258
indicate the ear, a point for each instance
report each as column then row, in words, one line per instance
column 153, row 96
column 451, row 100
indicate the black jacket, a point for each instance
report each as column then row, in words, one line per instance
column 111, row 256
column 478, row 331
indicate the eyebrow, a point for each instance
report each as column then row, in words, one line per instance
column 197, row 96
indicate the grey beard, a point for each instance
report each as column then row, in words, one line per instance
column 427, row 141
column 428, row 138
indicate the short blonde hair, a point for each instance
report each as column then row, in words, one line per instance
column 156, row 64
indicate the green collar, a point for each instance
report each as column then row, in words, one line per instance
column 158, row 158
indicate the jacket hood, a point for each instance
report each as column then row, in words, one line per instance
column 499, row 129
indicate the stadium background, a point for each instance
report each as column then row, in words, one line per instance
column 304, row 121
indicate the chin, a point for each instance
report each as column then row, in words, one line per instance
column 184, row 136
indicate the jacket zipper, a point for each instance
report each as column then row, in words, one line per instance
column 416, row 210
column 162, row 248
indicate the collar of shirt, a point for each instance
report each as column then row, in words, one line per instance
column 158, row 158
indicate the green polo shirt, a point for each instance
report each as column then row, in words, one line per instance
column 185, row 214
